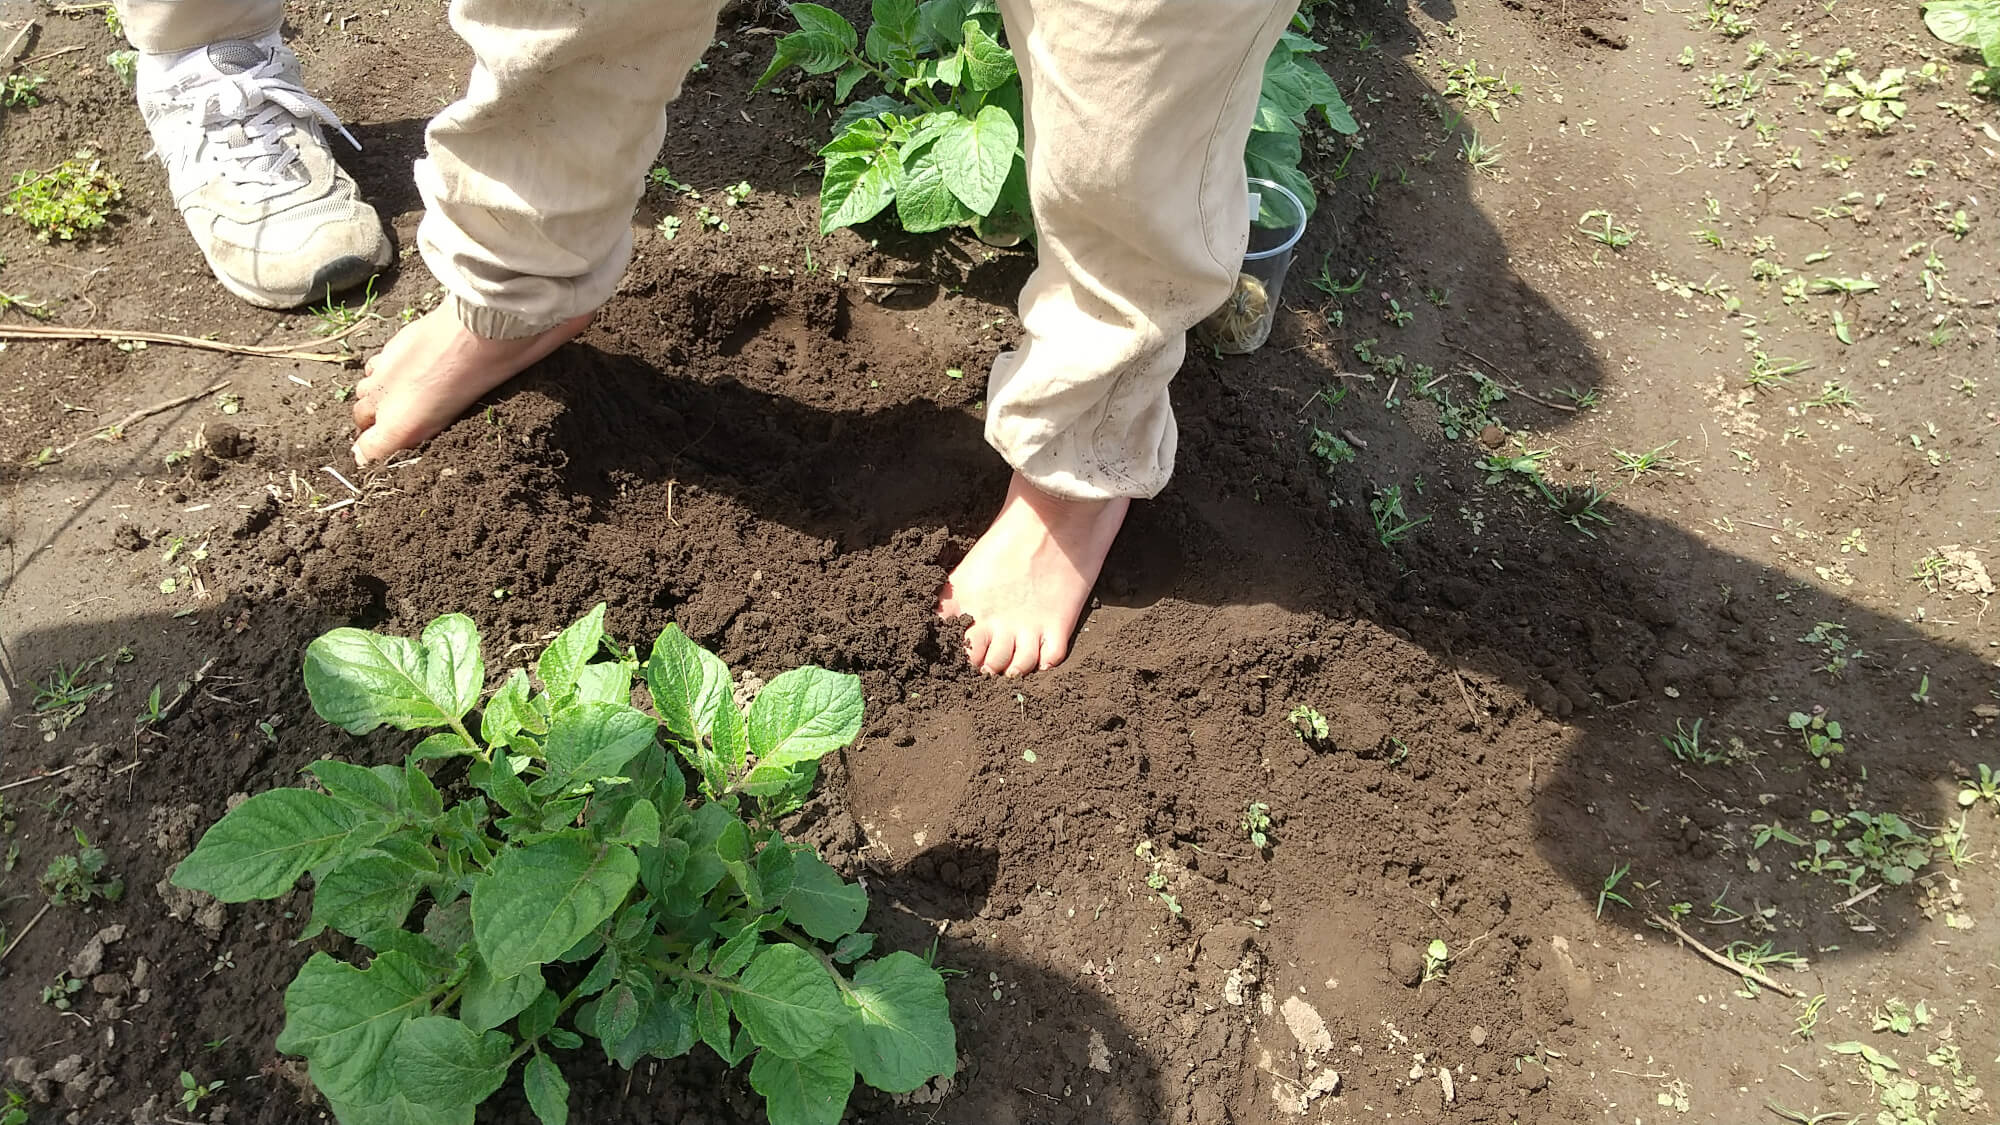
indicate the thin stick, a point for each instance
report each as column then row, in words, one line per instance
column 24, row 930
column 1726, row 962
column 1512, row 383
column 143, row 413
column 18, row 36
column 1459, row 678
column 267, row 351
column 42, row 58
column 37, row 777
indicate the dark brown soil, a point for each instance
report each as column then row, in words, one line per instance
column 755, row 444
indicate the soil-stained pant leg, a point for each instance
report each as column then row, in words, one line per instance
column 532, row 176
column 160, row 27
column 1137, row 113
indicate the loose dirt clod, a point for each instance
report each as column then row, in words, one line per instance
column 1306, row 1026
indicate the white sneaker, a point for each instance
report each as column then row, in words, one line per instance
column 280, row 223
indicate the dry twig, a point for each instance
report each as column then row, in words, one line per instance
column 1512, row 384
column 111, row 335
column 1734, row 966
column 144, row 412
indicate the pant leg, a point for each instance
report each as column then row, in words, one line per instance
column 1137, row 114
column 165, row 26
column 532, row 176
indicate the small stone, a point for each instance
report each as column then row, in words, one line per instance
column 1478, row 1036
column 110, row 984
column 1406, row 964
column 1306, row 1026
column 1533, row 1075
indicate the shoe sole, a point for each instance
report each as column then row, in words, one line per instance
column 341, row 274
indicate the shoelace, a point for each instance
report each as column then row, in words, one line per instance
column 259, row 100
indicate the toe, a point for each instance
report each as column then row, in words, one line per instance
column 379, row 442
column 1027, row 654
column 948, row 602
column 364, row 411
column 1000, row 653
column 1055, row 650
column 978, row 639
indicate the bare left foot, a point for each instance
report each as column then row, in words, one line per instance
column 1024, row 583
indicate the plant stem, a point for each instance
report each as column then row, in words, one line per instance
column 812, row 947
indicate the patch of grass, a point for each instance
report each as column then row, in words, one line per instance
column 1393, row 522
column 1654, row 460
column 67, row 201
column 1985, row 788
column 1609, row 891
column 1601, row 227
column 1685, row 743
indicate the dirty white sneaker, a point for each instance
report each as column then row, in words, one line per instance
column 251, row 172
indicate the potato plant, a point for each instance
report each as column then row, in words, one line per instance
column 580, row 891
column 942, row 138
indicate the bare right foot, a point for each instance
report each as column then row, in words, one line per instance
column 429, row 372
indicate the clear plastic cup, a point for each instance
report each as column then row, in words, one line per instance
column 1243, row 323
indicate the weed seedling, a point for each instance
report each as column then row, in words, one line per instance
column 1437, row 958
column 1655, row 460
column 1986, row 788
column 1256, row 825
column 661, row 177
column 1598, row 225
column 1483, row 157
column 1820, row 734
column 21, row 91
column 1576, row 503
column 1156, row 878
column 1879, row 102
column 1831, row 396
column 1332, row 450
column 1922, row 696
column 1393, row 524
column 194, row 1093
column 58, row 995
column 72, row 880
column 1309, row 725
column 1686, row 745
column 1808, row 1021
column 71, row 199
column 1899, row 1018
column 124, row 64
column 1609, row 891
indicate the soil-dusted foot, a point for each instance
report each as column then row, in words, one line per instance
column 428, row 373
column 1024, row 583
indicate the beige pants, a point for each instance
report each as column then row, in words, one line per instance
column 1137, row 112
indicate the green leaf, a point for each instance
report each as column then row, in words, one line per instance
column 638, row 825
column 823, row 43
column 1964, row 23
column 867, row 109
column 569, row 652
column 262, row 846
column 618, row 1014
column 987, row 64
column 822, row 903
column 733, row 849
column 342, row 1018
column 538, row 901
column 665, row 1030
column 856, row 189
column 592, row 740
column 788, row 1002
column 359, row 680
column 443, row 744
column 892, row 30
column 609, row 681
column 372, row 892
column 381, row 792
column 539, row 1016
column 498, row 780
column 853, row 948
column 565, row 1038
column 703, row 867
column 712, row 1020
column 438, row 1061
column 809, row 1091
column 743, row 943
column 924, row 202
column 1870, row 1054
column 849, row 77
column 508, row 712
column 904, row 1036
column 693, row 694
column 941, row 23
column 1275, row 157
column 489, row 1001
column 800, row 716
column 548, row 1092
column 975, row 154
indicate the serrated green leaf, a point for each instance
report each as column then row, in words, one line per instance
column 438, row 1061
column 788, row 1003
column 800, row 716
column 373, row 891
column 809, row 1091
column 592, row 740
column 548, row 1091
column 820, row 902
column 975, row 154
column 823, row 43
column 262, row 846
column 903, row 1037
column 566, row 656
column 359, row 680
column 988, row 65
column 538, row 901
column 489, row 1001
column 342, row 1019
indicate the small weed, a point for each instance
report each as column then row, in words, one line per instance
column 71, row 199
column 1655, row 460
column 1308, row 724
column 1831, row 639
column 1397, row 315
column 1256, row 825
column 1156, row 878
column 1808, row 1021
column 1331, row 449
column 1576, row 504
column 668, row 227
column 58, row 995
column 1437, row 958
column 1483, row 157
column 124, row 64
column 21, row 91
column 1478, row 91
column 334, row 319
column 1881, row 844
column 1327, row 285
column 72, row 880
column 739, row 194
column 1600, row 226
column 153, row 713
column 1986, row 788
column 1899, row 1018
column 1820, row 734
column 1393, row 522
column 1878, row 102
column 1609, row 891
column 194, row 1093
column 1686, row 745
column 1762, row 955
column 1583, row 400
column 661, row 177
column 1922, row 696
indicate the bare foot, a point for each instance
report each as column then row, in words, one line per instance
column 1024, row 583
column 428, row 373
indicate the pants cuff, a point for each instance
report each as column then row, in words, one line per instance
column 492, row 324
